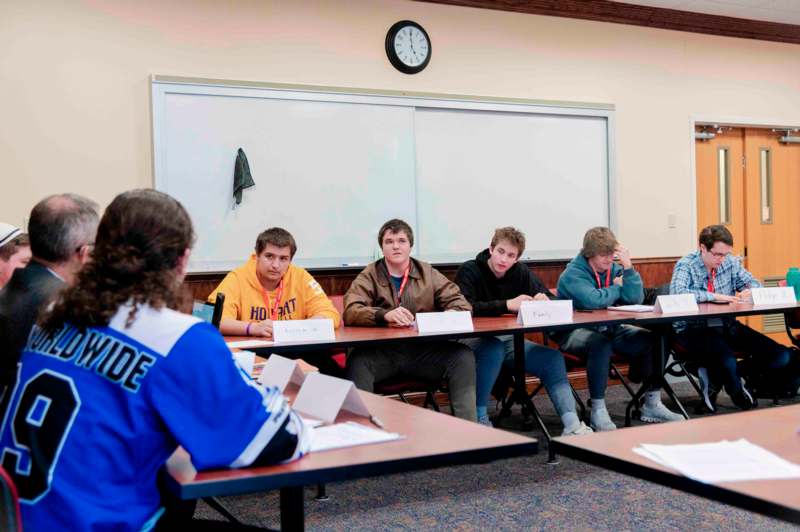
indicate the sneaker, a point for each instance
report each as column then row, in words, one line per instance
column 708, row 391
column 659, row 414
column 579, row 429
column 601, row 421
column 744, row 400
column 484, row 420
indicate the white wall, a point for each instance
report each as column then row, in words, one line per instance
column 74, row 100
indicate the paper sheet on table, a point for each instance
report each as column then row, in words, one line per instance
column 723, row 461
column 249, row 344
column 348, row 434
column 633, row 308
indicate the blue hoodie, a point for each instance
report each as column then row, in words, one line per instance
column 578, row 283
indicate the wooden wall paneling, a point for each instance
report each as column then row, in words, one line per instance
column 654, row 271
column 636, row 15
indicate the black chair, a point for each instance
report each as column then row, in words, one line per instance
column 792, row 321
column 208, row 312
column 400, row 386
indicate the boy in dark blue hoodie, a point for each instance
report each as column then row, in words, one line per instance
column 592, row 280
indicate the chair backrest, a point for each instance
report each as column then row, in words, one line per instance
column 208, row 312
column 10, row 518
column 792, row 320
column 338, row 302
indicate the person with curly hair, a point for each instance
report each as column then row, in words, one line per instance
column 115, row 377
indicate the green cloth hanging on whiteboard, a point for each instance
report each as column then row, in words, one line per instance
column 242, row 178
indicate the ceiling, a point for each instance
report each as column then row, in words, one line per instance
column 784, row 11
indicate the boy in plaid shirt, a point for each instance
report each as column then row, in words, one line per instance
column 711, row 274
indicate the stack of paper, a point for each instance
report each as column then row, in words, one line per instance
column 724, row 461
column 347, row 434
column 633, row 308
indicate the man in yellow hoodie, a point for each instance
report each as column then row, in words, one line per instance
column 268, row 287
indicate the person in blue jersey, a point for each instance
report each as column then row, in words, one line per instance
column 113, row 379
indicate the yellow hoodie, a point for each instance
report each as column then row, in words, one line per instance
column 302, row 296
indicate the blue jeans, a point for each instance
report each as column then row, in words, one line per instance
column 596, row 346
column 546, row 363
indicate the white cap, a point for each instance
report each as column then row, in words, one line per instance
column 8, row 233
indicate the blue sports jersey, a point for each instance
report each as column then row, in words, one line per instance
column 104, row 408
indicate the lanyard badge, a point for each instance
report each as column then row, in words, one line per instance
column 274, row 314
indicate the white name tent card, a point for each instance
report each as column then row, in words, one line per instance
column 676, row 304
column 246, row 360
column 444, row 322
column 302, row 330
column 322, row 396
column 776, row 295
column 544, row 312
column 279, row 371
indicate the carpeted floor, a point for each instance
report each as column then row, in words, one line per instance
column 514, row 494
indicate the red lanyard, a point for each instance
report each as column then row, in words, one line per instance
column 403, row 283
column 711, row 280
column 274, row 313
column 608, row 278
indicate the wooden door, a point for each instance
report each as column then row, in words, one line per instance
column 772, row 191
column 763, row 183
column 720, row 172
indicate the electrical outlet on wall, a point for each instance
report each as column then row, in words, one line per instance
column 672, row 220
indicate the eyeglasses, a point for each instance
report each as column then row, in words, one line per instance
column 718, row 255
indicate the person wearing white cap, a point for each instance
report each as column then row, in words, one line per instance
column 15, row 251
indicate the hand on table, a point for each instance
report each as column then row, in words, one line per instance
column 746, row 295
column 399, row 317
column 513, row 304
column 723, row 297
column 541, row 297
column 261, row 328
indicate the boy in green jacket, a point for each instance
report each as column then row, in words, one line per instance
column 592, row 280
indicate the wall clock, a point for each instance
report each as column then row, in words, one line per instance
column 408, row 47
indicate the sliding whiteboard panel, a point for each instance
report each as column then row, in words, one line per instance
column 329, row 172
column 331, row 166
column 547, row 175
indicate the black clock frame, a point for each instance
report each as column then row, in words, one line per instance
column 390, row 52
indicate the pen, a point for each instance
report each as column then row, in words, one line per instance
column 375, row 421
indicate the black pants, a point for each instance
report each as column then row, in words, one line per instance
column 717, row 348
column 430, row 361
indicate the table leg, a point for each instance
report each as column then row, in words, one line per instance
column 292, row 510
column 658, row 379
column 521, row 392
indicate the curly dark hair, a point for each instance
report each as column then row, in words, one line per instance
column 140, row 241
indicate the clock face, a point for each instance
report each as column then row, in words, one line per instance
column 411, row 46
column 408, row 47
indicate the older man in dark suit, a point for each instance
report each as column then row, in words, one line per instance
column 62, row 230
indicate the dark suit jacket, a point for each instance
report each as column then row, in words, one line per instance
column 28, row 291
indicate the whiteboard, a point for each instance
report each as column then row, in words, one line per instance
column 332, row 166
column 544, row 174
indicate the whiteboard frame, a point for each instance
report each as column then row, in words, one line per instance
column 162, row 86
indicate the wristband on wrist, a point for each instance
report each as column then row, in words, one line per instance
column 247, row 330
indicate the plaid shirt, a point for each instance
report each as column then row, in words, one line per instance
column 691, row 277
